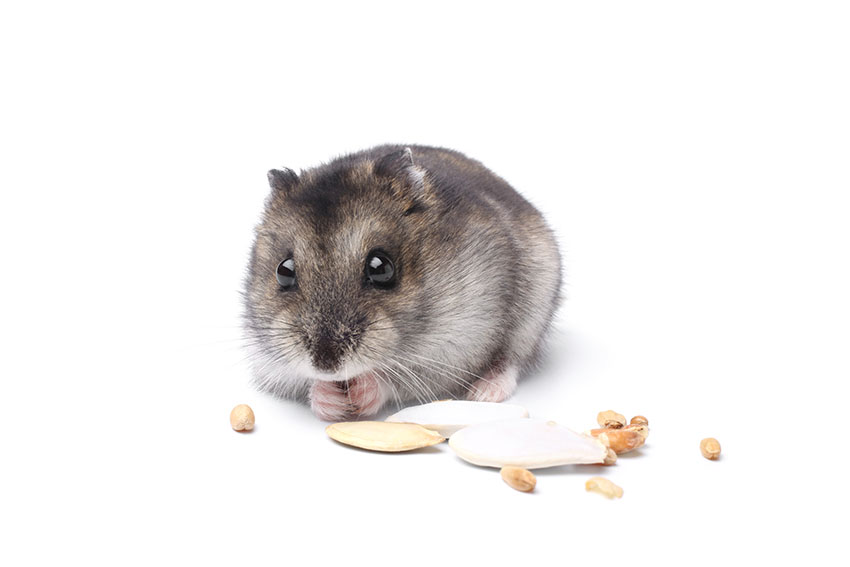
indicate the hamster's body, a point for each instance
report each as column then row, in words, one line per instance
column 397, row 273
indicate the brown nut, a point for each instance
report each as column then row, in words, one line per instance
column 519, row 478
column 622, row 440
column 710, row 448
column 639, row 420
column 242, row 418
column 611, row 419
column 604, row 487
column 642, row 430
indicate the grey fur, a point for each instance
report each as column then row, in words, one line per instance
column 478, row 275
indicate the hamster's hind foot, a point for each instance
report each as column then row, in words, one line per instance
column 329, row 400
column 495, row 386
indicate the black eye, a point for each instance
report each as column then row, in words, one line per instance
column 380, row 269
column 286, row 273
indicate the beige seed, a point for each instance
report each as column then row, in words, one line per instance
column 610, row 458
column 519, row 478
column 383, row 436
column 604, row 487
column 639, row 420
column 242, row 418
column 710, row 448
column 611, row 419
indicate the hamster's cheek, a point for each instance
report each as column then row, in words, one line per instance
column 379, row 338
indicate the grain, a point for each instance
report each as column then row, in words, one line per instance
column 604, row 487
column 710, row 448
column 611, row 419
column 242, row 418
column 519, row 478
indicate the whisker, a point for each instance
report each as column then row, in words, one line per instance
column 444, row 364
column 466, row 385
column 386, row 383
column 385, row 380
column 410, row 383
column 415, row 390
column 428, row 391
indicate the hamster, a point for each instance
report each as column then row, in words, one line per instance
column 397, row 274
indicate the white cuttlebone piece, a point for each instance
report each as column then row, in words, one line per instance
column 527, row 443
column 449, row 416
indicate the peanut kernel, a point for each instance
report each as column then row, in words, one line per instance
column 639, row 420
column 519, row 478
column 611, row 419
column 710, row 448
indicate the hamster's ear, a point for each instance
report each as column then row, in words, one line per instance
column 282, row 179
column 399, row 166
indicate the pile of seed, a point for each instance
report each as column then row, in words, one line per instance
column 496, row 435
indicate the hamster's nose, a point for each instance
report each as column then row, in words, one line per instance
column 326, row 352
column 330, row 342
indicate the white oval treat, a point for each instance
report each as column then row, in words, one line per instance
column 527, row 443
column 383, row 436
column 449, row 416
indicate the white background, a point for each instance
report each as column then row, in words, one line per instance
column 693, row 159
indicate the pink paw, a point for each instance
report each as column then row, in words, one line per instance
column 494, row 386
column 329, row 401
column 367, row 394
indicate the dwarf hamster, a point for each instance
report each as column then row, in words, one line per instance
column 397, row 274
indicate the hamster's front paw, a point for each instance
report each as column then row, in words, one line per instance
column 495, row 386
column 367, row 394
column 329, row 401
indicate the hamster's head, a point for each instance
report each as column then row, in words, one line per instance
column 335, row 280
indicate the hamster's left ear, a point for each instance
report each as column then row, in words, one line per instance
column 282, row 179
column 400, row 167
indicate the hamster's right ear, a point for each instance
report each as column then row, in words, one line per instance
column 399, row 166
column 282, row 179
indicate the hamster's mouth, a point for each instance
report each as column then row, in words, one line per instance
column 344, row 375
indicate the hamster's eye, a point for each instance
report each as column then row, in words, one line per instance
column 380, row 269
column 286, row 274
